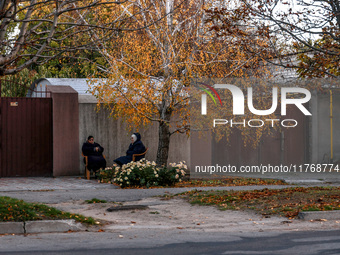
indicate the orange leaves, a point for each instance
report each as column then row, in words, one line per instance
column 236, row 181
column 287, row 202
column 151, row 67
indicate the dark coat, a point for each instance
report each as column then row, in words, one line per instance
column 95, row 158
column 135, row 148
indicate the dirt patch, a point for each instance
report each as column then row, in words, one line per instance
column 179, row 214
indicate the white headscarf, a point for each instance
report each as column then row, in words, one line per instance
column 134, row 137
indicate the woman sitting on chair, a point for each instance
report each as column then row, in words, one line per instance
column 136, row 147
column 95, row 154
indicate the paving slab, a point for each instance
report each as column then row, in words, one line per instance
column 46, row 226
column 12, row 228
column 317, row 215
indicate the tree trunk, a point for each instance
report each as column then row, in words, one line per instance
column 165, row 114
column 163, row 144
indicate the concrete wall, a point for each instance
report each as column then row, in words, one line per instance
column 309, row 142
column 320, row 135
column 65, row 130
column 114, row 136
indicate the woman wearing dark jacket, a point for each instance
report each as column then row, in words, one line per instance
column 136, row 147
column 94, row 152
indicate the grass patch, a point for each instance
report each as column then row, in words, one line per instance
column 95, row 201
column 232, row 181
column 155, row 212
column 12, row 209
column 286, row 202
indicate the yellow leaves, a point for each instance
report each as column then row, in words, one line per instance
column 148, row 65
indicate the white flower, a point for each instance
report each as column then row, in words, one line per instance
column 156, row 175
column 128, row 173
column 153, row 163
column 127, row 182
column 176, row 176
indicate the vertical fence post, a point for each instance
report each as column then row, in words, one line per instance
column 331, row 121
column 0, row 130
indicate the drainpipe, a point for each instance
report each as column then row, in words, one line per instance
column 331, row 121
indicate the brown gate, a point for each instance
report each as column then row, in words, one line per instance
column 25, row 137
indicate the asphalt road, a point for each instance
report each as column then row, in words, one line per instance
column 174, row 242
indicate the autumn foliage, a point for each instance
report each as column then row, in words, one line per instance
column 286, row 202
column 155, row 59
column 301, row 35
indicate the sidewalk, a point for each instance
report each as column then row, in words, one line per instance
column 50, row 183
column 69, row 193
column 79, row 183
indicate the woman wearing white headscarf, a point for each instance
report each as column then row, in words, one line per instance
column 136, row 147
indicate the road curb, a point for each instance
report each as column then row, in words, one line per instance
column 317, row 215
column 12, row 228
column 41, row 226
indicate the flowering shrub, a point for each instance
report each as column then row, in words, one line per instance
column 146, row 174
column 106, row 175
column 170, row 175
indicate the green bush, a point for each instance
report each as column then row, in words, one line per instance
column 106, row 175
column 145, row 174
